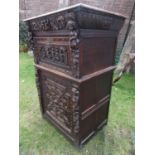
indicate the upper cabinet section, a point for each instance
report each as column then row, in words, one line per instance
column 77, row 40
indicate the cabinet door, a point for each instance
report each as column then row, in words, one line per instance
column 60, row 101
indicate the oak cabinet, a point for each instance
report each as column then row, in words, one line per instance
column 74, row 50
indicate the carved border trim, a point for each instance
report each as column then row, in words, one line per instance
column 75, row 100
column 74, row 47
column 54, row 22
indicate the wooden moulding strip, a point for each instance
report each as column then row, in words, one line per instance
column 102, row 124
column 84, row 33
column 90, row 135
column 52, row 40
column 94, row 107
column 84, row 78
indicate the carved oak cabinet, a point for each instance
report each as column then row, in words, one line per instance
column 74, row 50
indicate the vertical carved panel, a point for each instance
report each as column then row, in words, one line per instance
column 74, row 41
column 32, row 45
column 75, row 100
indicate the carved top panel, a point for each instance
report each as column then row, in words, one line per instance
column 65, row 49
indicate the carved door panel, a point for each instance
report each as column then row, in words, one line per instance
column 58, row 52
column 60, row 100
column 52, row 52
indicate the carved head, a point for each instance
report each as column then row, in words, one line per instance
column 34, row 26
column 61, row 22
column 70, row 25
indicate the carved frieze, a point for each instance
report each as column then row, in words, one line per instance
column 53, row 23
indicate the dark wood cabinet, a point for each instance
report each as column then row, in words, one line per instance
column 74, row 50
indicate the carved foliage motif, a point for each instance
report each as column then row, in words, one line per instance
column 74, row 41
column 55, row 54
column 52, row 23
column 31, row 46
column 75, row 99
column 63, row 103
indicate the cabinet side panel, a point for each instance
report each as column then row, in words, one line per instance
column 96, row 53
column 95, row 90
column 94, row 104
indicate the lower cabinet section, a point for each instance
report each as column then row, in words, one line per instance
column 66, row 103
